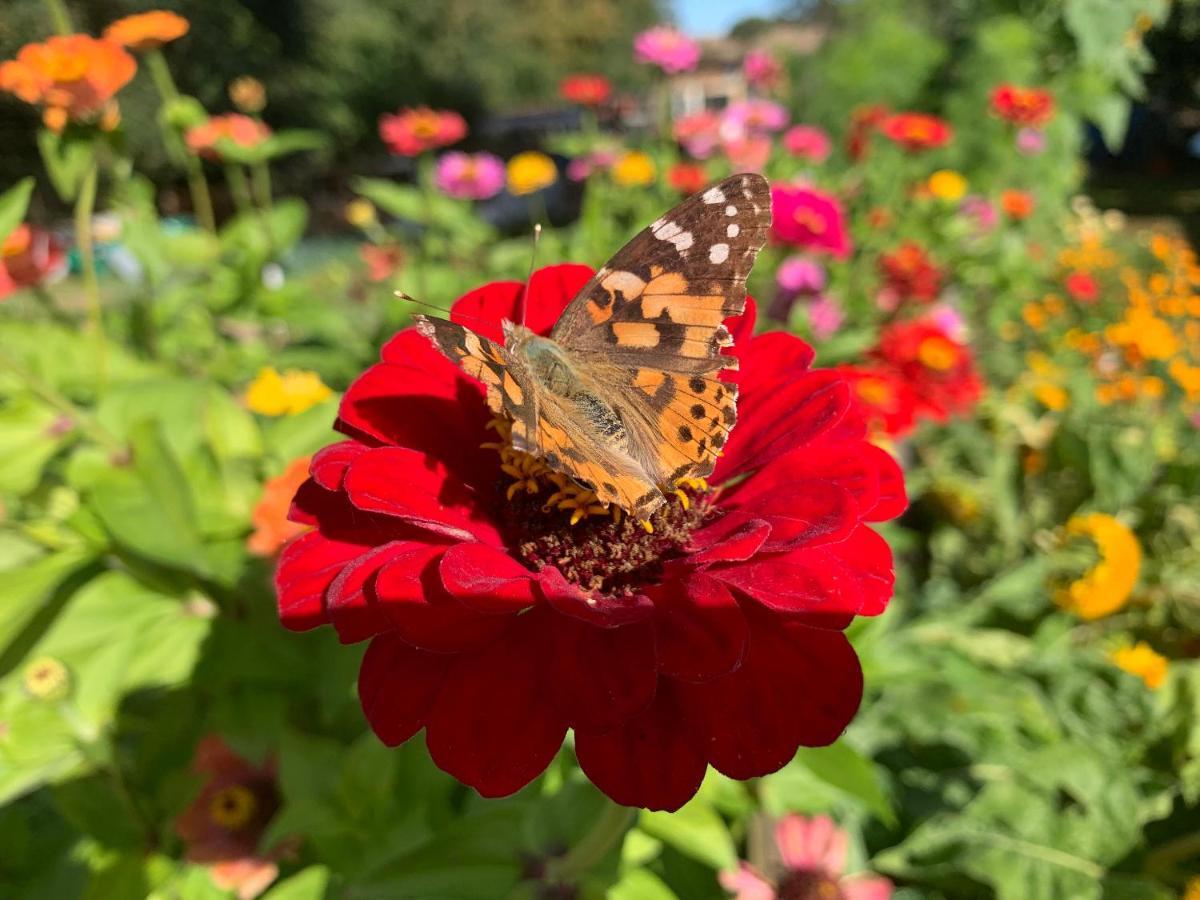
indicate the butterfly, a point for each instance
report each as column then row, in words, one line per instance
column 625, row 395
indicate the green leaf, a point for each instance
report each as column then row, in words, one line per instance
column 640, row 884
column 307, row 884
column 67, row 158
column 696, row 830
column 28, row 590
column 280, row 144
column 28, row 441
column 13, row 204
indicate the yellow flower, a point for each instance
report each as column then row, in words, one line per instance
column 1141, row 329
column 1052, row 396
column 248, row 94
column 272, row 394
column 1187, row 377
column 360, row 212
column 530, row 171
column 946, row 184
column 1106, row 587
column 47, row 679
column 633, row 169
column 1192, row 890
column 1141, row 660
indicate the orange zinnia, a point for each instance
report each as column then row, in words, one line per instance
column 148, row 30
column 74, row 77
column 270, row 517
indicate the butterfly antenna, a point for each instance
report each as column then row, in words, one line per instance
column 537, row 236
column 441, row 312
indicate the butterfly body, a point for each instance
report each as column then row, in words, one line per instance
column 625, row 394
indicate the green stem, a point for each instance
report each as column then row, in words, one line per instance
column 260, row 183
column 48, row 393
column 46, row 301
column 197, row 185
column 85, row 207
column 424, row 182
column 239, row 188
column 60, row 16
column 1161, row 862
column 605, row 834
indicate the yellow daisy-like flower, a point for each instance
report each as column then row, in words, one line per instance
column 530, row 171
column 248, row 94
column 273, row 394
column 1143, row 661
column 1105, row 588
column 634, row 169
column 47, row 679
column 360, row 212
column 1141, row 329
column 947, row 184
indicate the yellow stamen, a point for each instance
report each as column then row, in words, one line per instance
column 683, row 498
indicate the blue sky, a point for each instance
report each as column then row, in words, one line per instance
column 705, row 18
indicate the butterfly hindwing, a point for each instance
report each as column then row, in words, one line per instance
column 662, row 300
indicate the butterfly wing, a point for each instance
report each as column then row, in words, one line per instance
column 661, row 301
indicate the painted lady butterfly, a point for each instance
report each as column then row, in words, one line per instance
column 625, row 395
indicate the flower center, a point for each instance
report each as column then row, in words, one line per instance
column 16, row 243
column 551, row 520
column 937, row 353
column 807, row 884
column 66, row 67
column 233, row 807
column 425, row 127
column 810, row 220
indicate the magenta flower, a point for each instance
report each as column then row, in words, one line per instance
column 668, row 48
column 469, row 176
column 752, row 117
column 1031, row 142
column 813, row 857
column 762, row 70
column 800, row 275
column 810, row 219
column 825, row 317
column 981, row 210
column 807, row 142
column 699, row 133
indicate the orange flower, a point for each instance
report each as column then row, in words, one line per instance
column 271, row 526
column 73, row 77
column 917, row 131
column 148, row 30
column 1017, row 205
column 1031, row 107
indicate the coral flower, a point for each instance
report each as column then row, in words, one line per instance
column 668, row 48
column 1106, row 587
column 530, row 171
column 469, row 176
column 749, row 153
column 586, row 90
column 935, row 367
column 272, row 528
column 812, row 860
column 496, row 624
column 272, row 394
column 1143, row 661
column 699, row 133
column 864, row 121
column 687, row 178
column 807, row 142
column 207, row 139
column 753, row 117
column 28, row 257
column 148, row 30
column 223, row 826
column 633, row 169
column 72, row 77
column 909, row 274
column 1027, row 107
column 413, row 131
column 762, row 70
column 1018, row 205
column 809, row 218
column 917, row 131
column 382, row 260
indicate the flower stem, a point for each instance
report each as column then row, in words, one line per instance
column 85, row 206
column 260, row 183
column 60, row 16
column 50, row 395
column 197, row 185
column 606, row 833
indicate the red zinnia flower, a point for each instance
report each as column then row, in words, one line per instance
column 586, row 90
column 1018, row 205
column 28, row 257
column 886, row 400
column 496, row 624
column 917, row 131
column 937, row 369
column 687, row 178
column 909, row 273
column 1027, row 107
column 863, row 121
column 411, row 132
column 1082, row 286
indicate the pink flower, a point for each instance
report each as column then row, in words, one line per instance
column 825, row 317
column 469, row 176
column 807, row 142
column 581, row 168
column 809, row 218
column 411, row 132
column 699, row 133
column 668, row 48
column 1031, row 142
column 753, row 117
column 813, row 857
column 800, row 275
column 748, row 154
column 762, row 70
column 981, row 210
